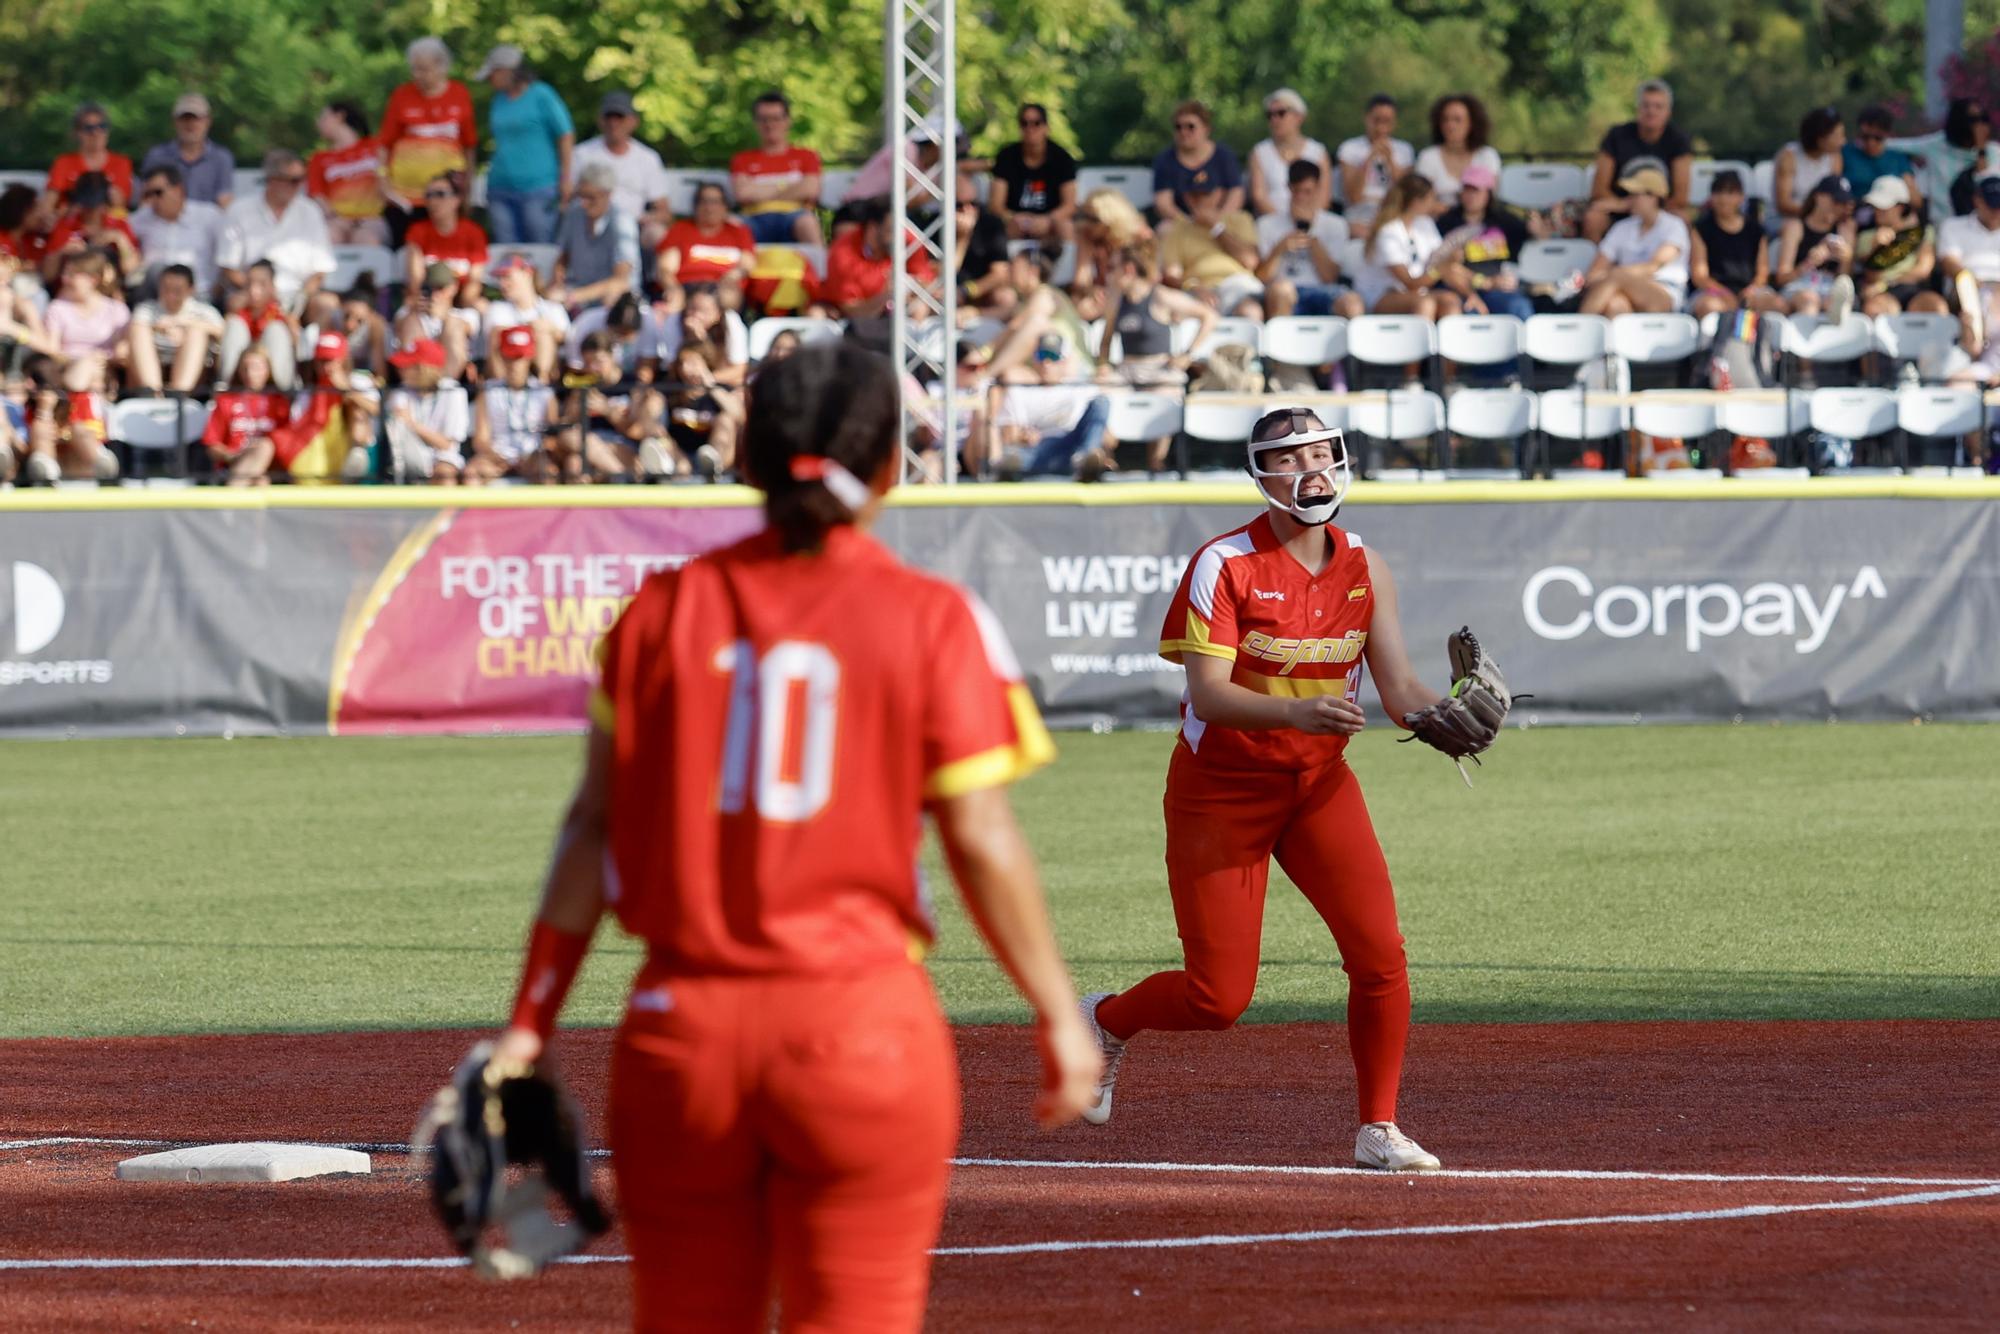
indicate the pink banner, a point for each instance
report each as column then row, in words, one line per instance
column 489, row 620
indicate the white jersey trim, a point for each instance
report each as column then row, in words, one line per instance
column 1207, row 571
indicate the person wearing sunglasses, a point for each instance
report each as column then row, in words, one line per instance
column 444, row 235
column 1868, row 157
column 1194, row 161
column 279, row 224
column 1272, row 159
column 208, row 167
column 92, row 127
column 173, row 229
column 91, row 223
column 1034, row 183
column 1809, row 159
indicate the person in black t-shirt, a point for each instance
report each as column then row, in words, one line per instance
column 1626, row 148
column 1730, row 266
column 982, row 253
column 1034, row 183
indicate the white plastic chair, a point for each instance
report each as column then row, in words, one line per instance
column 1653, row 339
column 1479, row 340
column 1304, row 340
column 1673, row 416
column 34, row 180
column 1918, row 335
column 1536, row 185
column 543, row 257
column 1763, row 180
column 1565, row 414
column 351, row 261
column 681, row 183
column 1566, row 340
column 764, row 332
column 158, row 425
column 1813, row 338
column 1852, row 414
column 1701, row 176
column 1492, row 414
column 1401, row 414
column 1137, row 416
column 1203, row 418
column 247, row 183
column 1135, row 183
column 1939, row 413
column 1553, row 259
column 1229, row 331
column 1767, row 417
column 1391, row 340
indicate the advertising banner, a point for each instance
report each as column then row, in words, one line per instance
column 215, row 619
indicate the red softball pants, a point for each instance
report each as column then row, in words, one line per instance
column 783, row 1137
column 1223, row 828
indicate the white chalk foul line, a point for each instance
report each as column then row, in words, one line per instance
column 1463, row 1229
column 1246, row 1169
column 1058, row 1247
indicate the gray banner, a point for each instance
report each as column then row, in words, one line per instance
column 200, row 620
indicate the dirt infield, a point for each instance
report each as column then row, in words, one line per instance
column 1603, row 1176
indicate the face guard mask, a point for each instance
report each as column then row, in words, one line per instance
column 1309, row 510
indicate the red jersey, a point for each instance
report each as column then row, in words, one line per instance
column 790, row 164
column 465, row 247
column 117, row 169
column 853, row 274
column 705, row 258
column 60, row 234
column 257, row 320
column 779, row 722
column 240, row 416
column 426, row 137
column 29, row 247
column 348, row 180
column 1289, row 633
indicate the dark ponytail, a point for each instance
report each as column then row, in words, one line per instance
column 832, row 401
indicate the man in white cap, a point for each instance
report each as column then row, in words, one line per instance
column 207, row 168
column 642, row 188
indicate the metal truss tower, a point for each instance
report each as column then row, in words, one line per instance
column 923, row 96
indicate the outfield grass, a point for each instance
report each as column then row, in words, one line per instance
column 1727, row 872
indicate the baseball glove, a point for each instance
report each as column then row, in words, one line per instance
column 1467, row 720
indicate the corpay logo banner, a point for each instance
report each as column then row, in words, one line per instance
column 1562, row 602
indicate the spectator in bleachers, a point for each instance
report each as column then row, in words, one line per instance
column 636, row 335
column 1371, row 162
column 1194, row 161
column 513, row 416
column 1272, row 159
column 21, row 332
column 208, row 168
column 1969, row 251
column 366, row 331
column 1459, row 130
column 1651, row 139
column 1398, row 275
column 88, row 327
column 613, row 426
column 1816, row 249
column 1034, row 183
column 92, row 126
column 427, row 130
column 598, row 245
column 332, row 427
column 1867, row 158
column 1046, row 340
column 1642, row 262
column 521, row 305
column 776, row 184
column 173, row 229
column 1300, row 249
column 981, row 259
column 528, row 179
column 877, row 176
column 1212, row 254
column 1105, row 224
column 1142, row 318
column 242, row 419
column 704, row 417
column 1962, row 147
column 711, row 249
column 261, row 321
column 281, row 225
column 1487, row 241
column 427, row 419
column 444, row 235
column 1729, row 266
column 1809, row 159
column 65, row 419
column 435, row 311
column 345, row 178
column 1896, row 254
column 92, row 224
column 720, row 334
column 1048, row 430
column 175, row 330
column 642, row 186
column 26, row 218
column 859, row 264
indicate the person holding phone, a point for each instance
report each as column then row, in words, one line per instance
column 1302, row 246
column 1816, row 251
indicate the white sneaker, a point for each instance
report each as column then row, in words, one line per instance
column 708, row 462
column 358, row 464
column 105, row 469
column 1113, row 1051
column 1841, row 304
column 654, row 460
column 1383, row 1147
column 42, row 469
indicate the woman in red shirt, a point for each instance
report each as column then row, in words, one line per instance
column 345, row 178
column 93, row 153
column 773, row 721
column 709, row 248
column 240, row 424
column 446, row 236
column 427, row 129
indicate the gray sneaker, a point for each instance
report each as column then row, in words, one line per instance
column 1113, row 1050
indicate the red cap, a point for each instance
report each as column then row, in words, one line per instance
column 330, row 347
column 423, row 352
column 518, row 341
column 511, row 262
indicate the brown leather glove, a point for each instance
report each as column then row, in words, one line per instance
column 1468, row 720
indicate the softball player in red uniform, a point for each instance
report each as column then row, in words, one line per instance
column 772, row 723
column 1274, row 622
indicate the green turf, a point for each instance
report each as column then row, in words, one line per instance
column 1748, row 872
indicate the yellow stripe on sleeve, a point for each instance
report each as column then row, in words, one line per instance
column 1031, row 748
column 1196, row 640
column 603, row 714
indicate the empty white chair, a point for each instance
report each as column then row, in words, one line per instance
column 1568, row 415
column 1915, row 335
column 1937, row 412
column 813, row 255
column 1391, row 340
column 1852, row 414
column 765, row 331
column 1304, row 340
column 1647, row 339
column 1763, row 415
column 1402, row 414
column 1542, row 184
column 543, row 257
column 1231, row 330
column 1135, row 183
column 1702, row 175
column 1144, row 416
column 351, row 261
column 1763, row 177
column 1479, row 340
column 248, row 183
column 833, row 183
column 1673, row 416
column 1206, row 418
column 1813, row 338
column 158, row 423
column 1491, row 414
column 1555, row 258
column 34, row 180
column 1566, row 340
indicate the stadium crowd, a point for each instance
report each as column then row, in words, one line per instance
column 393, row 307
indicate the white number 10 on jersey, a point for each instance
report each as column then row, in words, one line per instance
column 782, row 719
